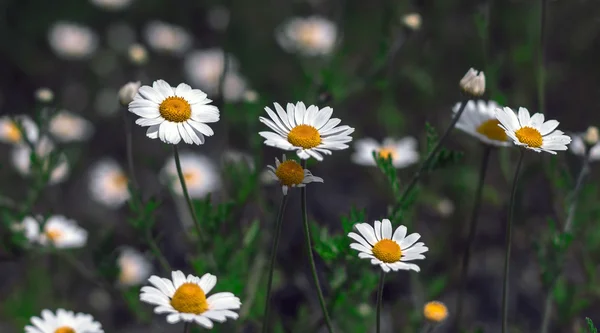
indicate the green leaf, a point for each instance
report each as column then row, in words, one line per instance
column 591, row 327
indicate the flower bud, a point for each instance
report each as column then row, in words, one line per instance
column 44, row 95
column 128, row 91
column 138, row 54
column 412, row 21
column 435, row 311
column 473, row 83
column 591, row 136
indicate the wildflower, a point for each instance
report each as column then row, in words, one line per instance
column 532, row 132
column 66, row 126
column 185, row 299
column 21, row 158
column 435, row 311
column 591, row 135
column 312, row 36
column 402, row 151
column 473, row 83
column 134, row 268
column 137, row 54
column 174, row 113
column 310, row 132
column 44, row 95
column 62, row 233
column 204, row 68
column 72, row 41
column 579, row 146
column 386, row 250
column 113, row 5
column 200, row 174
column 165, row 37
column 290, row 173
column 479, row 120
column 64, row 322
column 128, row 92
column 412, row 21
column 10, row 132
column 108, row 183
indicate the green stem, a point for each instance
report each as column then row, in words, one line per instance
column 278, row 225
column 186, row 194
column 541, row 79
column 164, row 263
column 129, row 149
column 186, row 327
column 432, row 154
column 485, row 158
column 313, row 267
column 508, row 242
column 380, row 300
column 548, row 304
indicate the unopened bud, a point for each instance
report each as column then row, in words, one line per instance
column 44, row 95
column 412, row 21
column 138, row 54
column 473, row 83
column 128, row 91
column 435, row 311
column 591, row 136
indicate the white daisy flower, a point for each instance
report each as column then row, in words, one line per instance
column 479, row 120
column 312, row 36
column 402, row 151
column 578, row 147
column 67, row 126
column 134, row 268
column 63, row 233
column 290, row 173
column 108, row 183
column 30, row 228
column 113, row 5
column 165, row 37
column 21, row 158
column 184, row 299
column 10, row 133
column 386, row 250
column 532, row 132
column 310, row 132
column 64, row 322
column 72, row 41
column 204, row 68
column 199, row 172
column 174, row 113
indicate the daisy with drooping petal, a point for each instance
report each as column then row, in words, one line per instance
column 402, row 151
column 64, row 322
column 312, row 36
column 532, row 132
column 174, row 113
column 200, row 174
column 108, row 183
column 21, row 158
column 66, row 126
column 390, row 251
column 290, row 173
column 63, row 233
column 185, row 299
column 10, row 133
column 479, row 120
column 134, row 268
column 310, row 132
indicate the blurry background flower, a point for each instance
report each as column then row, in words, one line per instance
column 71, row 40
column 166, row 37
column 134, row 267
column 137, row 54
column 205, row 67
column 312, row 36
column 112, row 4
column 62, row 233
column 66, row 126
column 200, row 174
column 44, row 95
column 403, row 152
column 108, row 183
column 10, row 132
column 412, row 21
column 21, row 158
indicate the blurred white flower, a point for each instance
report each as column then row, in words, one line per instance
column 21, row 158
column 311, row 36
column 402, row 151
column 134, row 268
column 412, row 21
column 128, row 91
column 137, row 54
column 165, row 37
column 44, row 95
column 108, row 183
column 473, row 83
column 234, row 87
column 200, row 174
column 72, row 41
column 112, row 4
column 63, row 233
column 10, row 133
column 591, row 136
column 30, row 228
column 445, row 207
column 250, row 96
column 578, row 147
column 205, row 67
column 67, row 126
column 64, row 322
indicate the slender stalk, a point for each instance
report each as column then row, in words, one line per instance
column 549, row 304
column 485, row 158
column 313, row 267
column 508, row 242
column 380, row 300
column 188, row 199
column 278, row 225
column 164, row 263
column 541, row 70
column 186, row 327
column 129, row 148
column 432, row 154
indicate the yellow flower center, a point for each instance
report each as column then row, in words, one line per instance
column 492, row 131
column 190, row 177
column 175, row 109
column 387, row 251
column 387, row 152
column 64, row 329
column 53, row 235
column 12, row 132
column 290, row 173
column 308, row 35
column 127, row 273
column 189, row 298
column 529, row 136
column 304, row 136
column 435, row 311
column 119, row 180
